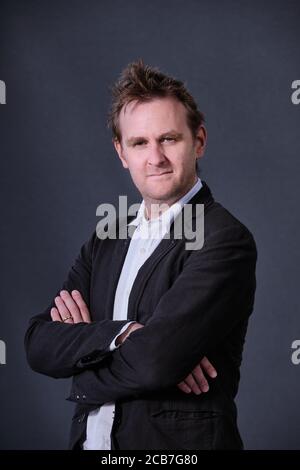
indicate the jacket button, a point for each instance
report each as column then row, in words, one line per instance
column 84, row 397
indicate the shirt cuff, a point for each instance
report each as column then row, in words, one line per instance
column 113, row 345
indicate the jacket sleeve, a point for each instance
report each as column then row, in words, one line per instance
column 212, row 294
column 59, row 349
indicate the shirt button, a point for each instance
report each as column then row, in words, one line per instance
column 142, row 251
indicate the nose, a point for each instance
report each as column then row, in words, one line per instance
column 156, row 155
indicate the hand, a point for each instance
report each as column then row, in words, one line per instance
column 132, row 327
column 196, row 380
column 70, row 308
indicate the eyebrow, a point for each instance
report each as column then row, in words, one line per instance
column 171, row 133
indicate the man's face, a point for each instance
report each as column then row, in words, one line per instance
column 158, row 148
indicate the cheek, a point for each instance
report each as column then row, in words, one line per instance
column 183, row 159
column 137, row 170
column 177, row 153
column 138, row 162
column 177, row 162
column 136, row 166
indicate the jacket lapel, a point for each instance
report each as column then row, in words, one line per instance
column 203, row 196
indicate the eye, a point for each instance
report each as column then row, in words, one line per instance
column 139, row 143
column 168, row 139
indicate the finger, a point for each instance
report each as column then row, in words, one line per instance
column 62, row 310
column 184, row 387
column 200, row 378
column 82, row 306
column 191, row 382
column 71, row 306
column 208, row 367
column 55, row 315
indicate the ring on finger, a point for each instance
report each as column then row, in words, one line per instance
column 67, row 318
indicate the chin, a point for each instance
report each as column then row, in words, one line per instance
column 163, row 190
column 163, row 194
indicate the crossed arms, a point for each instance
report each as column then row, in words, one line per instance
column 71, row 308
column 212, row 294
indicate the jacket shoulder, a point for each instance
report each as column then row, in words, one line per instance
column 219, row 220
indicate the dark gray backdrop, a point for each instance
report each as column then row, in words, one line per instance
column 58, row 60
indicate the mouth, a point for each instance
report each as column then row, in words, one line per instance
column 161, row 174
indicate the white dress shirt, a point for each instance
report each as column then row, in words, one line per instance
column 145, row 239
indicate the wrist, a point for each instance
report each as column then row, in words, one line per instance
column 121, row 338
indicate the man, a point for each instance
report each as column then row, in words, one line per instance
column 138, row 317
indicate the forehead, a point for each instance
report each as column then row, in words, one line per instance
column 158, row 115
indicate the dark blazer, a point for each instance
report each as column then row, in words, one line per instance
column 193, row 303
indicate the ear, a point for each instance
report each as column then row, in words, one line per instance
column 119, row 150
column 201, row 139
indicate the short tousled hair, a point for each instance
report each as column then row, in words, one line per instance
column 142, row 83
